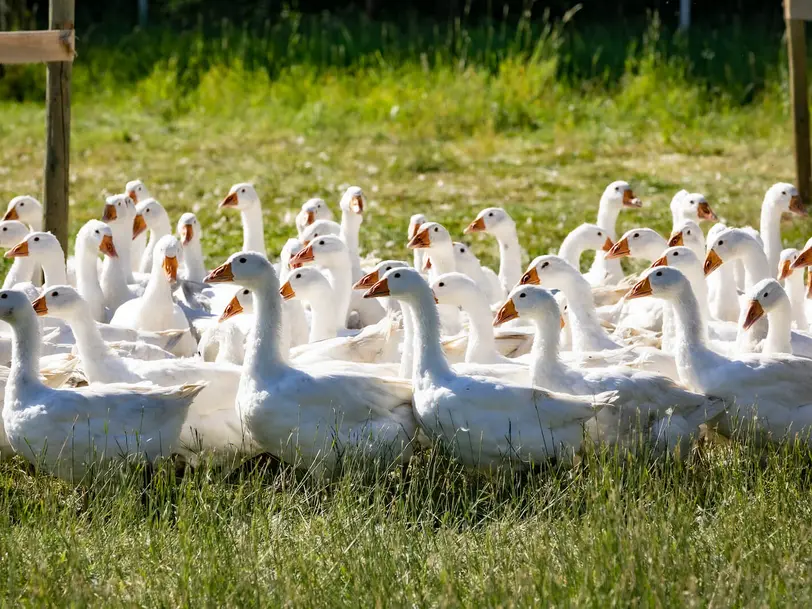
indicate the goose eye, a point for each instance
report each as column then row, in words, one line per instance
column 490, row 215
column 243, row 260
column 397, row 275
column 23, row 204
column 600, row 234
column 321, row 242
column 687, row 232
column 36, row 238
column 146, row 211
column 659, row 273
column 97, row 232
column 242, row 190
column 4, row 296
column 676, row 253
column 617, row 189
column 784, row 192
column 693, row 202
column 721, row 242
column 545, row 265
column 436, row 230
column 462, row 250
column 298, row 275
column 441, row 284
column 245, row 292
column 636, row 235
column 766, row 294
column 5, row 228
column 522, row 295
column 55, row 294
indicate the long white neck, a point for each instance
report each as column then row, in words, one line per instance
column 407, row 348
column 779, row 331
column 429, row 359
column 442, row 260
column 795, row 289
column 324, row 323
column 571, row 249
column 195, row 270
column 122, row 240
column 770, row 230
column 587, row 332
column 114, row 282
column 607, row 217
column 419, row 259
column 262, row 355
column 158, row 292
column 99, row 363
column 159, row 229
column 510, row 258
column 53, row 265
column 755, row 263
column 253, row 230
column 700, row 289
column 87, row 279
column 36, row 224
column 22, row 269
column 350, row 231
column 25, row 349
column 340, row 278
column 481, row 347
column 546, row 369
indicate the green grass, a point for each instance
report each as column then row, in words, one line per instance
column 537, row 120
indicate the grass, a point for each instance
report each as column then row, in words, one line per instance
column 538, row 122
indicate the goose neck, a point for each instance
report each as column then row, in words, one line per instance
column 100, row 364
column 339, row 274
column 323, row 321
column 442, row 260
column 22, row 269
column 547, row 368
column 587, row 333
column 158, row 291
column 779, row 330
column 429, row 359
column 262, row 354
column 25, row 351
column 794, row 286
column 770, row 231
column 694, row 359
column 607, row 217
column 407, row 348
column 510, row 258
column 755, row 263
column 193, row 262
column 350, row 231
column 53, row 266
column 122, row 240
column 253, row 230
column 481, row 342
column 571, row 249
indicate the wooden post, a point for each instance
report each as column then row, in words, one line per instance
column 57, row 134
column 796, row 42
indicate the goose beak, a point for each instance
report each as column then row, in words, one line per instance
column 311, row 218
column 809, row 286
column 661, row 261
column 40, row 306
column 133, row 195
column 139, row 225
column 222, row 274
column 110, row 213
column 421, row 240
column 803, row 259
column 381, row 288
column 302, row 256
column 505, row 313
column 704, row 212
column 629, row 200
column 171, row 267
column 11, row 214
column 619, row 250
column 286, row 291
column 641, row 288
column 562, row 321
column 796, row 205
column 531, row 277
column 107, row 247
column 367, row 281
column 232, row 308
column 18, row 251
column 186, row 234
column 712, row 262
column 754, row 312
column 607, row 245
column 784, row 270
column 230, row 201
column 477, row 226
column 413, row 228
column 676, row 239
column 357, row 205
column 427, row 265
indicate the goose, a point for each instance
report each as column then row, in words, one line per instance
column 86, row 425
column 372, row 277
column 311, row 286
column 772, row 391
column 652, row 400
column 638, row 243
column 794, row 287
column 687, row 233
column 691, row 206
column 116, row 277
column 768, row 298
column 312, row 210
column 192, row 265
column 415, row 222
column 94, row 237
column 466, row 262
column 617, row 196
column 484, row 422
column 155, row 309
column 780, row 198
column 721, row 285
column 211, row 423
column 22, row 269
column 497, row 222
column 295, row 327
column 244, row 198
column 312, row 418
column 156, row 221
column 319, row 228
column 224, row 342
column 25, row 209
column 138, row 192
column 46, row 251
column 579, row 240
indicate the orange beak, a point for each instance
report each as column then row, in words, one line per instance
column 619, row 250
column 107, row 247
column 381, row 288
column 222, row 274
column 427, row 264
column 607, row 245
column 754, row 312
column 421, row 240
column 230, row 201
column 562, row 321
column 40, row 306
column 311, row 218
column 287, row 292
column 803, row 259
column 11, row 214
column 809, row 285
column 186, row 234
column 531, row 277
column 704, row 212
column 110, row 213
column 302, row 256
column 676, row 239
column 712, row 262
column 367, row 281
column 171, row 268
column 357, row 205
column 661, row 261
column 232, row 308
column 629, row 200
column 413, row 228
column 505, row 313
column 641, row 288
column 784, row 270
column 796, row 205
column 477, row 226
column 18, row 251
column 139, row 225
column 133, row 195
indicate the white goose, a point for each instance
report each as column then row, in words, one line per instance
column 642, row 243
column 312, row 287
column 466, row 262
column 768, row 298
column 312, row 210
column 794, row 287
column 138, row 192
column 485, row 423
column 691, row 206
column 687, row 233
column 244, row 198
column 319, row 228
column 779, row 199
column 295, row 329
column 586, row 237
column 156, row 220
column 722, row 284
column 617, row 196
column 311, row 419
column 116, row 277
column 46, row 251
column 224, row 342
column 192, row 266
column 81, row 426
column 415, row 222
column 22, row 269
column 497, row 222
column 25, row 209
column 92, row 238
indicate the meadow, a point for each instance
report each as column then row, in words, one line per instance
column 535, row 116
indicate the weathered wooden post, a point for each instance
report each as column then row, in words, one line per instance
column 56, row 48
column 796, row 12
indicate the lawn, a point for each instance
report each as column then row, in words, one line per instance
column 519, row 128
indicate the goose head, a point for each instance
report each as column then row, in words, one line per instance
column 62, row 302
column 784, row 197
column 188, row 229
column 353, row 202
column 764, row 296
column 619, row 195
column 15, row 307
column 531, row 302
column 455, row 289
column 637, row 243
column 307, row 283
column 97, row 237
column 292, row 247
column 119, row 210
column 249, row 269
column 550, row 271
column 241, row 302
column 805, row 257
column 136, row 190
column 24, row 208
column 312, row 210
column 11, row 233
column 371, row 278
column 324, row 250
column 399, row 283
column 492, row 220
column 663, row 282
column 464, row 258
column 153, row 217
column 680, row 257
column 430, row 235
column 415, row 222
column 318, row 229
column 692, row 206
column 591, row 237
column 785, row 261
column 241, row 197
column 689, row 234
column 37, row 245
column 728, row 245
column 166, row 255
